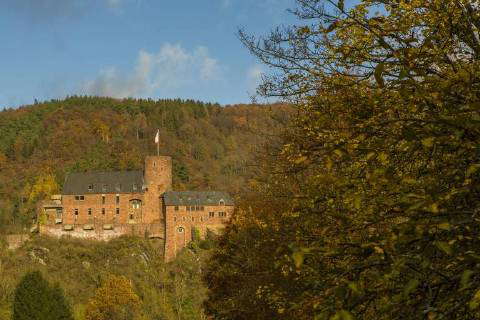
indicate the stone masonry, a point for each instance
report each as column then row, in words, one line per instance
column 105, row 205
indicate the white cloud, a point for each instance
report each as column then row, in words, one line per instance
column 170, row 68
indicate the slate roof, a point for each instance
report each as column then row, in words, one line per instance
column 191, row 198
column 103, row 182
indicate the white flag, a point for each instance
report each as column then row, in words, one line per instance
column 157, row 136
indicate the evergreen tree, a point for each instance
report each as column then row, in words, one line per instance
column 35, row 299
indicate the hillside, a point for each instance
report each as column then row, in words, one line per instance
column 167, row 291
column 211, row 145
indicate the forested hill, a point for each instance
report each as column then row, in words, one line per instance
column 211, row 145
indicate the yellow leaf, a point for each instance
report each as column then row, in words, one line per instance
column 472, row 169
column 428, row 142
column 298, row 258
column 444, row 226
column 383, row 157
column 378, row 74
column 300, row 160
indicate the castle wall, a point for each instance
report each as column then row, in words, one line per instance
column 152, row 219
column 98, row 233
column 180, row 224
column 95, row 203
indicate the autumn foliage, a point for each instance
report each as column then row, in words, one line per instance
column 368, row 207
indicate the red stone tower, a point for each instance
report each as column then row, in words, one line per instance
column 158, row 179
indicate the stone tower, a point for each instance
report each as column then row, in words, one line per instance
column 158, row 179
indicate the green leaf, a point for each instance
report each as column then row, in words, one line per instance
column 403, row 74
column 428, row 142
column 379, row 74
column 475, row 302
column 443, row 246
column 342, row 315
column 465, row 280
column 410, row 287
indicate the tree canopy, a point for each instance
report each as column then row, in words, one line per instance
column 369, row 207
column 35, row 299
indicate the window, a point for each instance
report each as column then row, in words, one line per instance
column 202, row 208
column 193, row 219
column 103, row 211
column 221, row 202
column 79, row 198
column 103, row 199
column 188, row 208
column 184, row 219
column 197, row 208
column 192, row 208
column 131, row 216
column 117, row 199
column 76, row 212
column 222, row 214
column 117, row 211
column 90, row 187
column 211, row 214
column 174, row 219
column 58, row 214
column 89, row 211
column 176, row 208
column 180, row 229
column 134, row 187
column 136, row 203
column 104, row 187
column 118, row 187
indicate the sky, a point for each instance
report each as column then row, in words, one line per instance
column 132, row 48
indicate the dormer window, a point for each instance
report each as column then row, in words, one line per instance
column 104, row 187
column 221, row 202
column 134, row 187
column 90, row 187
column 118, row 187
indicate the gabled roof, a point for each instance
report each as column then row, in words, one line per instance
column 103, row 182
column 192, row 198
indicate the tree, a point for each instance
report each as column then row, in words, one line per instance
column 114, row 300
column 35, row 299
column 380, row 169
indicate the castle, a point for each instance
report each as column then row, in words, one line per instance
column 104, row 205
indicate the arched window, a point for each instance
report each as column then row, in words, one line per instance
column 135, row 203
column 181, row 230
column 221, row 202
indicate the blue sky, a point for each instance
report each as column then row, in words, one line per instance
column 132, row 48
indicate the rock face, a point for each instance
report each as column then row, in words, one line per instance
column 15, row 241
